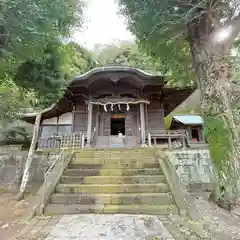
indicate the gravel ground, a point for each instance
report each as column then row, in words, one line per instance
column 222, row 224
column 11, row 212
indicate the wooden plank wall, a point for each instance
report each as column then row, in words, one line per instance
column 155, row 116
column 80, row 116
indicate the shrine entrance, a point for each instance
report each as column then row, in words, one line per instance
column 117, row 124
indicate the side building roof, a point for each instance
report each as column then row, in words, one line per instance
column 188, row 119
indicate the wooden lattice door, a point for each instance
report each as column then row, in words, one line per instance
column 130, row 124
column 105, row 124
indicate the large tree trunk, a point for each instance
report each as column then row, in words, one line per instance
column 211, row 62
column 29, row 157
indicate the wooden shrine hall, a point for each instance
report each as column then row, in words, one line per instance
column 111, row 106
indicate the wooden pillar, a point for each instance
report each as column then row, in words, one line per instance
column 142, row 121
column 89, row 125
column 97, row 123
column 73, row 116
column 149, row 140
column 146, row 119
column 29, row 160
column 169, row 142
column 201, row 134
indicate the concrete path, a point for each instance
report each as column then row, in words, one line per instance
column 109, row 227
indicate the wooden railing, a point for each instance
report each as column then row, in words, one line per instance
column 75, row 140
column 52, row 176
column 171, row 136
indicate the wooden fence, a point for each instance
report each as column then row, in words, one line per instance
column 75, row 140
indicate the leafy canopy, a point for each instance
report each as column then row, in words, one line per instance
column 27, row 26
column 49, row 75
column 161, row 29
column 128, row 54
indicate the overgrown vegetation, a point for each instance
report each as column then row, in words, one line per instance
column 31, row 66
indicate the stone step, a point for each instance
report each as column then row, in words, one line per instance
column 113, row 153
column 114, row 179
column 115, row 199
column 112, row 165
column 112, row 188
column 108, row 150
column 56, row 209
column 119, row 159
column 112, row 172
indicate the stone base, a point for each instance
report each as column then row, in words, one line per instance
column 88, row 145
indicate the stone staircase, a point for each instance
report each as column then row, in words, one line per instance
column 112, row 181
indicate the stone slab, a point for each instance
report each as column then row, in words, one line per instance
column 114, row 179
column 109, row 227
column 112, row 188
column 112, row 172
column 121, row 198
column 56, row 209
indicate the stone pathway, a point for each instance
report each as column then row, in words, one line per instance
column 38, row 228
column 220, row 225
column 101, row 227
column 110, row 227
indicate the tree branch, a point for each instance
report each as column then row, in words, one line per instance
column 186, row 3
column 183, row 3
column 235, row 25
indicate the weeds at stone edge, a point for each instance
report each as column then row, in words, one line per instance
column 154, row 238
column 4, row 190
column 148, row 222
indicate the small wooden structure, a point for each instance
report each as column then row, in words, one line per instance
column 192, row 125
column 174, row 138
column 111, row 106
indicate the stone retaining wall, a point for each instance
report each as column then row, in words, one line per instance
column 193, row 166
column 12, row 164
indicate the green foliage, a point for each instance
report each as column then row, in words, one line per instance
column 219, row 141
column 27, row 30
column 236, row 65
column 127, row 54
column 159, row 31
column 76, row 60
column 32, row 59
column 43, row 76
column 49, row 75
column 27, row 26
column 16, row 132
column 10, row 104
column 39, row 83
column 221, row 146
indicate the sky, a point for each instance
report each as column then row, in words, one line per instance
column 102, row 24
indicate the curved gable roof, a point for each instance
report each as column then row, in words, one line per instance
column 156, row 79
column 137, row 71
